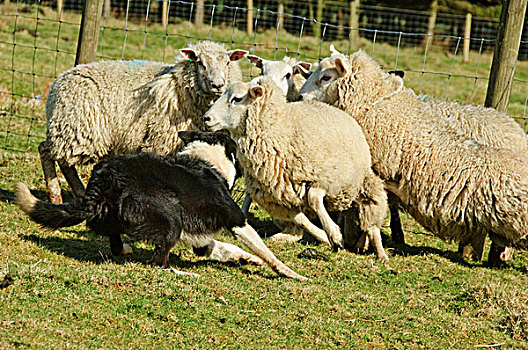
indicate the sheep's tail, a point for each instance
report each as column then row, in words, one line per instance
column 49, row 215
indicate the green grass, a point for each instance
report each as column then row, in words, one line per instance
column 69, row 291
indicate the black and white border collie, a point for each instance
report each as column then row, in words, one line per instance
column 163, row 200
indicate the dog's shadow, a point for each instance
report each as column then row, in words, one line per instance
column 96, row 249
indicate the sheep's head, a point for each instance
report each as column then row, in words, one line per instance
column 230, row 111
column 211, row 64
column 318, row 86
column 363, row 76
column 281, row 72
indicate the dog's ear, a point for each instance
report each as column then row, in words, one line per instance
column 187, row 136
column 398, row 73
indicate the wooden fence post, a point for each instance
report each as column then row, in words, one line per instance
column 60, row 7
column 249, row 17
column 89, row 32
column 280, row 14
column 505, row 55
column 467, row 38
column 432, row 20
column 164, row 14
column 199, row 13
column 353, row 22
column 107, row 9
column 318, row 16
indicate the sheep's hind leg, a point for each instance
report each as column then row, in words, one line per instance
column 301, row 220
column 250, row 238
column 226, row 252
column 316, row 201
column 72, row 177
column 395, row 223
column 50, row 174
column 246, row 204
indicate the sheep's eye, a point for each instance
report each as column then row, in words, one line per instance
column 288, row 76
column 236, row 99
column 326, row 77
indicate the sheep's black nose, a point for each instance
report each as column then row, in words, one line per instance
column 300, row 98
column 206, row 118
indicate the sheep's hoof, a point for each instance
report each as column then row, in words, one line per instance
column 182, row 273
column 126, row 249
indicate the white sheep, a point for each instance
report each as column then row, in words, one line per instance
column 300, row 156
column 104, row 108
column 289, row 74
column 489, row 127
column 457, row 188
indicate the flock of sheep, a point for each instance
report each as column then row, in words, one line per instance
column 343, row 138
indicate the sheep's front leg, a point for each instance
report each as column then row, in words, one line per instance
column 50, row 174
column 72, row 177
column 250, row 238
column 226, row 252
column 301, row 220
column 316, row 202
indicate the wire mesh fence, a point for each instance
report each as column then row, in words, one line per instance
column 38, row 41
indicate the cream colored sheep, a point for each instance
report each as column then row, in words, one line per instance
column 457, row 188
column 104, row 108
column 300, row 156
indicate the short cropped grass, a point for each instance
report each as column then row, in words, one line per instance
column 69, row 291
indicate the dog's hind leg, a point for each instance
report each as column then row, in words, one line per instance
column 50, row 173
column 250, row 238
column 161, row 253
column 226, row 252
column 117, row 246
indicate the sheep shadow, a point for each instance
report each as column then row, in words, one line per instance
column 451, row 255
column 96, row 249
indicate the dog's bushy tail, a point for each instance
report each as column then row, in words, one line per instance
column 50, row 215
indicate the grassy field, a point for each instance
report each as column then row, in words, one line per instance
column 66, row 289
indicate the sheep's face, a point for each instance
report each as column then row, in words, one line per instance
column 230, row 110
column 279, row 71
column 212, row 67
column 319, row 85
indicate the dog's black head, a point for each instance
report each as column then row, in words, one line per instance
column 213, row 138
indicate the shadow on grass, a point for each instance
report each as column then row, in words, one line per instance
column 9, row 195
column 97, row 251
column 453, row 256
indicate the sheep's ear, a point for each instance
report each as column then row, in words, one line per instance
column 398, row 73
column 255, row 60
column 189, row 54
column 342, row 66
column 305, row 65
column 235, row 55
column 256, row 91
column 301, row 69
column 187, row 136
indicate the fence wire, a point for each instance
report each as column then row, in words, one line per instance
column 38, row 42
